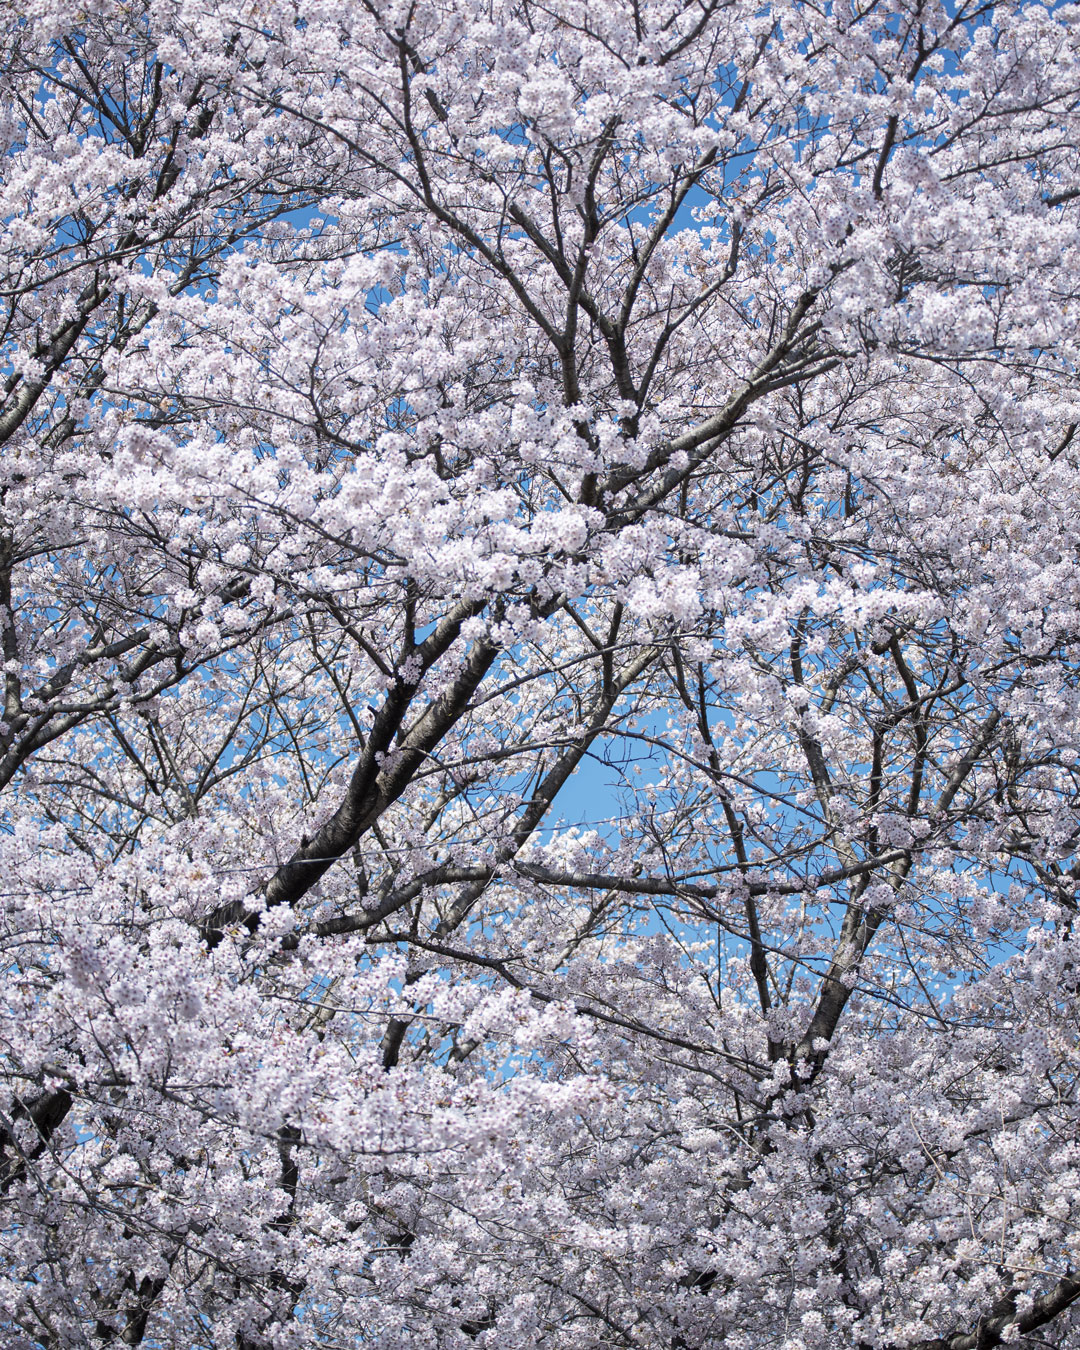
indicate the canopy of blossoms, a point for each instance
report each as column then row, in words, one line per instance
column 540, row 619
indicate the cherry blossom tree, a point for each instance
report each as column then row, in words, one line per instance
column 540, row 565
